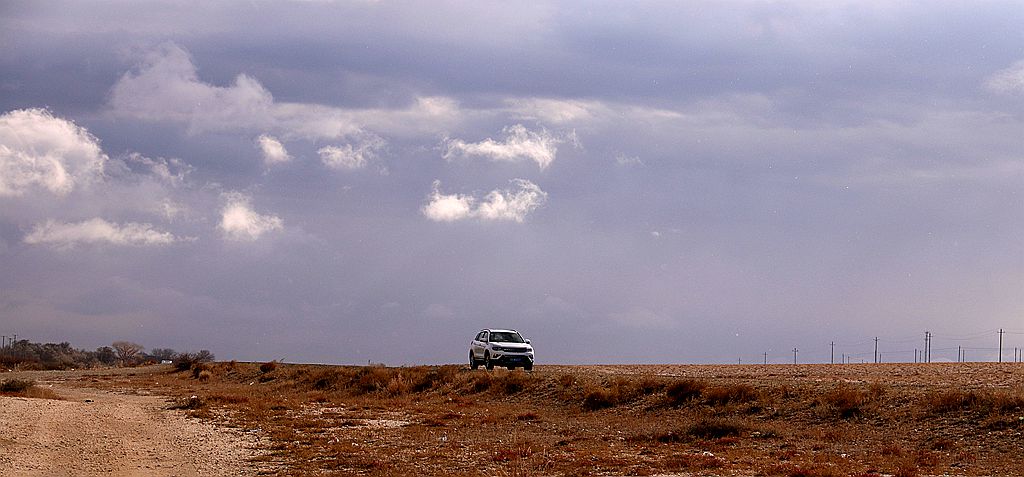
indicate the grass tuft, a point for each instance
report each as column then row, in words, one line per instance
column 16, row 385
column 268, row 367
column 596, row 399
column 716, row 428
column 682, row 392
column 25, row 388
column 843, row 401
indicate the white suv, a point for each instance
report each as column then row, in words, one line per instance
column 500, row 347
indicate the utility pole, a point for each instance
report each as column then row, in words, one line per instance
column 1000, row 345
column 915, row 355
column 958, row 354
column 926, row 354
column 832, row 359
column 876, row 350
column 794, row 355
column 765, row 357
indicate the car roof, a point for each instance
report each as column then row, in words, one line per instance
column 499, row 330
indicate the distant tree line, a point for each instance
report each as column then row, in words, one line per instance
column 26, row 355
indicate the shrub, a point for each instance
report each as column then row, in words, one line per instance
column 510, row 383
column 979, row 401
column 843, row 401
column 268, row 367
column 397, row 386
column 682, row 392
column 26, row 388
column 186, row 361
column 16, row 385
column 715, row 428
column 737, row 393
column 190, row 403
column 480, row 382
column 324, row 379
column 597, row 399
column 199, row 369
column 367, row 380
column 426, row 379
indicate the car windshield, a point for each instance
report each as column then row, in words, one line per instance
column 506, row 337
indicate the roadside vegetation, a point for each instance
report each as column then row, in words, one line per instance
column 27, row 356
column 25, row 388
column 707, row 420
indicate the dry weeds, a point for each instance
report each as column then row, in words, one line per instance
column 25, row 388
column 705, row 420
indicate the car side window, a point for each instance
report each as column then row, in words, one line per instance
column 484, row 338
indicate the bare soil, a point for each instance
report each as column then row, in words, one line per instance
column 96, row 432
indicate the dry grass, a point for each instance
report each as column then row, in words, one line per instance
column 976, row 401
column 448, row 420
column 25, row 388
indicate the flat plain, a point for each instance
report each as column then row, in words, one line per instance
column 747, row 420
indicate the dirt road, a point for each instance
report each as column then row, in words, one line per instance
column 95, row 432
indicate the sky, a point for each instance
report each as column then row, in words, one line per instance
column 353, row 182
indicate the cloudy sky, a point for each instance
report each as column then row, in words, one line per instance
column 371, row 181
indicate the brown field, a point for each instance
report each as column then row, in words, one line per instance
column 776, row 420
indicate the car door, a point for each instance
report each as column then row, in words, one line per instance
column 482, row 342
column 478, row 345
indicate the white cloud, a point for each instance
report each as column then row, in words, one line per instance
column 447, row 207
column 588, row 114
column 273, row 151
column 173, row 171
column 240, row 222
column 96, row 231
column 351, row 156
column 171, row 210
column 166, row 87
column 557, row 111
column 38, row 149
column 518, row 144
column 512, row 204
column 1009, row 80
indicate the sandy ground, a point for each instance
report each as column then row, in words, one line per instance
column 93, row 432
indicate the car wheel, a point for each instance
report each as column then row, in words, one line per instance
column 473, row 364
column 528, row 367
column 511, row 368
column 487, row 361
